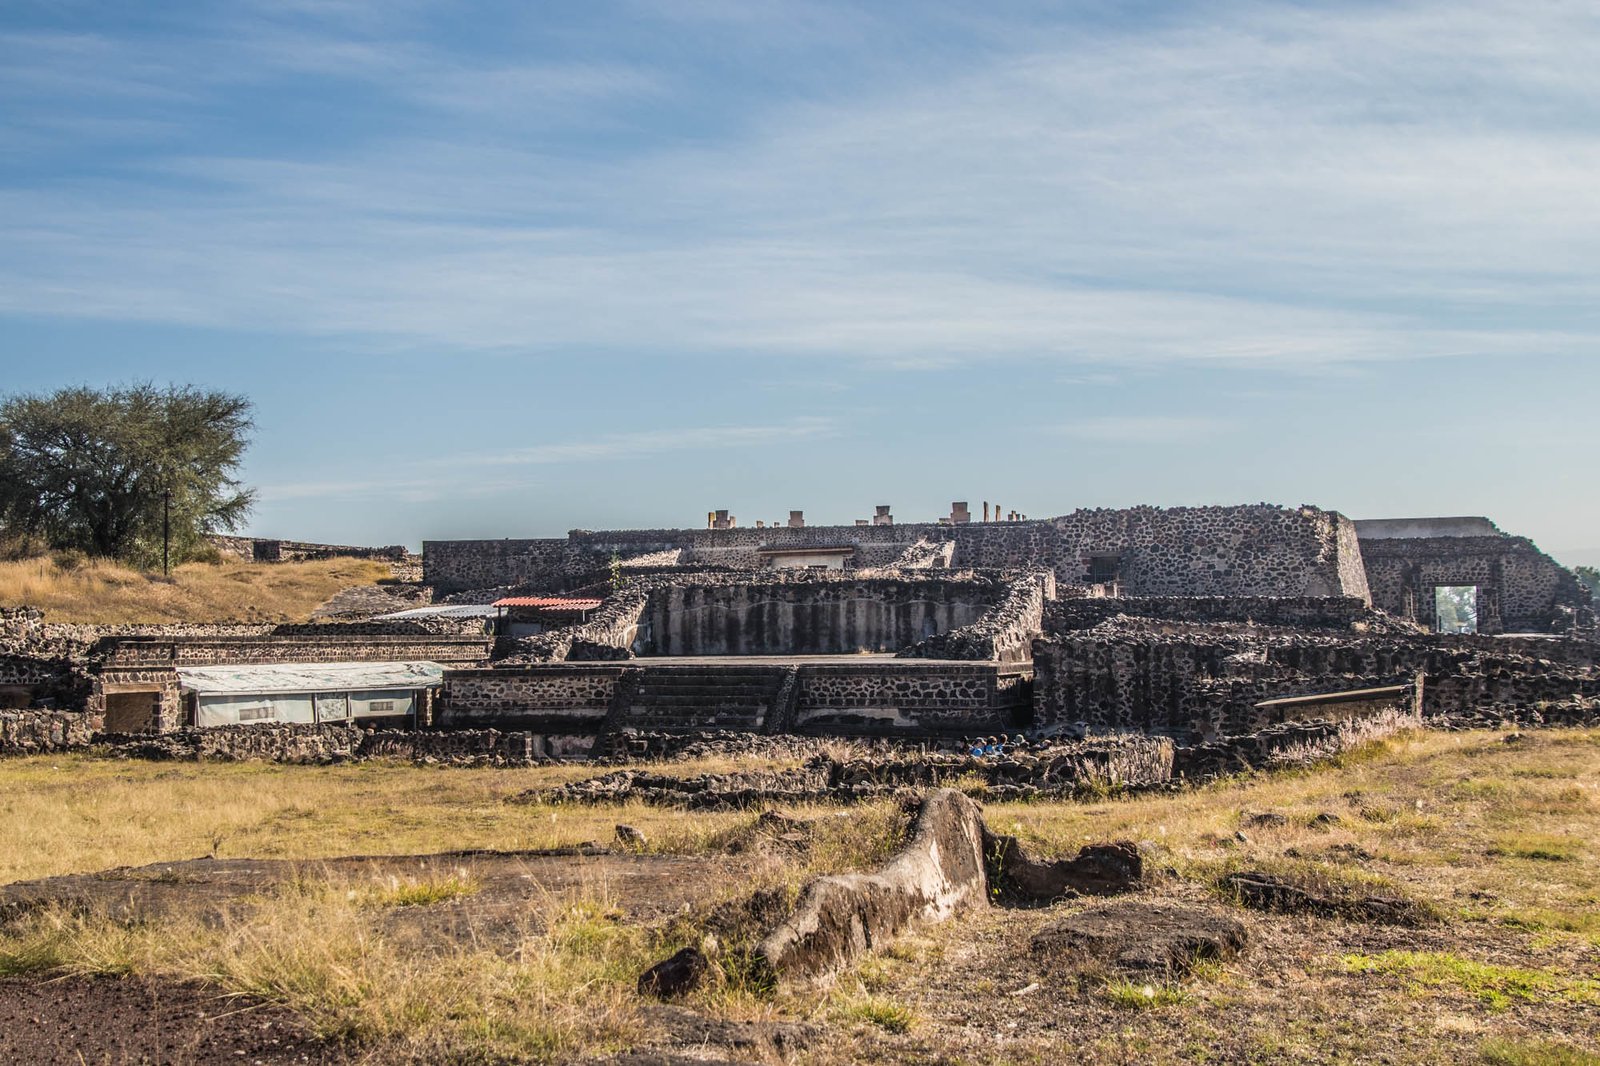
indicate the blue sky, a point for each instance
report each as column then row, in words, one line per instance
column 511, row 269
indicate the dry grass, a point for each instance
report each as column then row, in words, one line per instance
column 103, row 592
column 1483, row 829
column 78, row 813
column 1463, row 822
column 560, row 984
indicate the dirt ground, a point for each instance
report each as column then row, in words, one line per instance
column 505, row 886
column 978, row 995
column 533, row 955
column 135, row 1021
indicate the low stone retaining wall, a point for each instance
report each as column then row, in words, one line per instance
column 28, row 732
column 1290, row 744
column 1059, row 770
column 321, row 744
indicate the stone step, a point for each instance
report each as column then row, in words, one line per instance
column 705, row 692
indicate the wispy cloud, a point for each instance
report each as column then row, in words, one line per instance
column 655, row 442
column 1270, row 186
column 433, row 482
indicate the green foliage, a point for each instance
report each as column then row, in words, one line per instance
column 886, row 1014
column 1130, row 995
column 1590, row 576
column 1458, row 608
column 1497, row 986
column 616, row 572
column 86, row 470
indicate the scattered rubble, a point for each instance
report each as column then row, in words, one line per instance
column 1286, row 895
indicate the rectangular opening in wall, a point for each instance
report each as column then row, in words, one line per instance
column 1105, row 568
column 1456, row 608
column 131, row 712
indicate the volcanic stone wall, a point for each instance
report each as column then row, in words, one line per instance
column 548, row 697
column 1186, row 551
column 318, row 744
column 1257, row 550
column 146, row 652
column 1201, row 681
column 811, row 616
column 878, row 698
column 1520, row 588
column 1068, row 614
column 1003, row 633
column 27, row 732
column 910, row 698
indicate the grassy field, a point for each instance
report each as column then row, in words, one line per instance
column 104, row 592
column 1498, row 839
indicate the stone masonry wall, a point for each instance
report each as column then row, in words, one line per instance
column 1004, row 633
column 810, row 615
column 1068, row 614
column 265, row 550
column 551, row 697
column 1200, row 680
column 1520, row 588
column 1188, row 551
column 28, row 732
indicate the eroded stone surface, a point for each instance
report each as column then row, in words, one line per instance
column 1097, row 870
column 938, row 873
column 1140, row 938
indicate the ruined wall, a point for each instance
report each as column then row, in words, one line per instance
column 146, row 652
column 1258, row 550
column 866, row 699
column 1185, row 551
column 330, row 743
column 1203, row 681
column 1290, row 743
column 31, row 732
column 911, row 698
column 549, row 697
column 1003, row 633
column 1305, row 612
column 1520, row 588
column 266, row 550
column 810, row 615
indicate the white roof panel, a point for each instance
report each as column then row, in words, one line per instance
column 308, row 677
column 442, row 610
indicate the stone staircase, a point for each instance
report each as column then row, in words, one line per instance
column 666, row 698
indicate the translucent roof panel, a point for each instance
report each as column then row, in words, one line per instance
column 309, row 677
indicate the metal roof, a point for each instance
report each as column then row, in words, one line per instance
column 269, row 678
column 440, row 610
column 565, row 603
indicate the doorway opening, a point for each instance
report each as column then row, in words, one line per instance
column 1455, row 608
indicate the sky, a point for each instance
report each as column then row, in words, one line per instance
column 510, row 269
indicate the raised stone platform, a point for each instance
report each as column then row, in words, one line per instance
column 843, row 695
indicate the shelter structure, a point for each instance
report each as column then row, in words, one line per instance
column 391, row 693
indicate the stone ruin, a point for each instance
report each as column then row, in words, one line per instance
column 1240, row 635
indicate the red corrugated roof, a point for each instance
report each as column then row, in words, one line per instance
column 564, row 603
